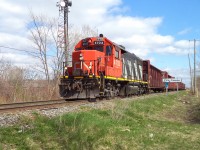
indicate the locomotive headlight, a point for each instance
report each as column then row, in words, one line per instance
column 81, row 56
column 90, row 66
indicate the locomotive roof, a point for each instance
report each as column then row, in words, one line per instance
column 123, row 50
column 121, row 47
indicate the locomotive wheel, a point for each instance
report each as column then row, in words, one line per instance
column 92, row 99
column 108, row 96
column 101, row 98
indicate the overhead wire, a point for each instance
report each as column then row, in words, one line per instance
column 22, row 50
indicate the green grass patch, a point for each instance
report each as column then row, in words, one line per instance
column 154, row 122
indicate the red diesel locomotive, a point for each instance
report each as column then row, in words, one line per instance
column 101, row 68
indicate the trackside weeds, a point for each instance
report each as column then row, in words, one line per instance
column 150, row 122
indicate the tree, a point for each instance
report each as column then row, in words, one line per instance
column 12, row 81
column 40, row 35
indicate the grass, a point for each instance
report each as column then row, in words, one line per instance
column 156, row 122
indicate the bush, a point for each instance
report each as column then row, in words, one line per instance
column 17, row 85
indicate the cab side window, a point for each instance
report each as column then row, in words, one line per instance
column 117, row 50
column 108, row 50
column 117, row 54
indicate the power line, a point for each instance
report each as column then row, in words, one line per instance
column 22, row 50
column 16, row 49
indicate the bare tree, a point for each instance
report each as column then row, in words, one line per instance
column 12, row 79
column 40, row 36
column 57, row 50
column 4, row 67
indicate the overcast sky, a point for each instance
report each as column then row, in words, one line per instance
column 152, row 29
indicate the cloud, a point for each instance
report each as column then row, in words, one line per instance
column 126, row 26
column 138, row 34
column 15, row 41
column 184, row 31
column 8, row 7
column 16, row 59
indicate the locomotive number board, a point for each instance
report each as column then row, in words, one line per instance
column 98, row 42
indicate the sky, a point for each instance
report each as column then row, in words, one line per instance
column 156, row 30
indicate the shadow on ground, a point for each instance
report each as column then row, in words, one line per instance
column 194, row 113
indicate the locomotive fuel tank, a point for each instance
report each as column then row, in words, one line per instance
column 129, row 90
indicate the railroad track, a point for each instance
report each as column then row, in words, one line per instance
column 31, row 104
column 49, row 103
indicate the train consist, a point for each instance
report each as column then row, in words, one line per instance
column 103, row 69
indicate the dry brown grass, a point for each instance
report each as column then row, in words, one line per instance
column 21, row 84
column 27, row 91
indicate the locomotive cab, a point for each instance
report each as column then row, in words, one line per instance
column 96, row 56
column 86, row 57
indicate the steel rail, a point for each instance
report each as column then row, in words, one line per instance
column 30, row 104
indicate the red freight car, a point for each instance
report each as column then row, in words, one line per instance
column 173, row 86
column 165, row 74
column 153, row 76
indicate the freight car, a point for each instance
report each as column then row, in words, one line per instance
column 153, row 76
column 103, row 69
column 174, row 86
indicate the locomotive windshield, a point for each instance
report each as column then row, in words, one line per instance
column 98, row 48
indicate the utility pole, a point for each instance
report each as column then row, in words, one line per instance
column 194, row 78
column 63, row 34
column 194, row 66
column 191, row 82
